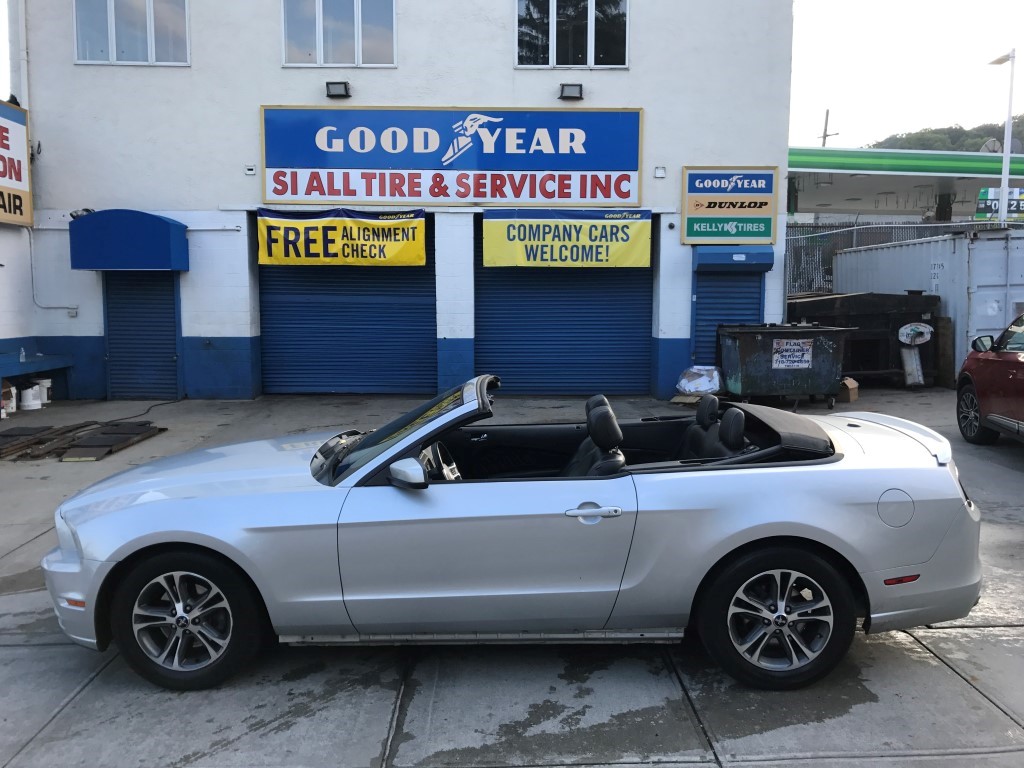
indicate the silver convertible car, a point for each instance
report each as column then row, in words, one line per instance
column 773, row 536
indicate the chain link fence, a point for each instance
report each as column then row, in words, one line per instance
column 811, row 248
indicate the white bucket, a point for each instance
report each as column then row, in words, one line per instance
column 45, row 390
column 30, row 399
column 12, row 405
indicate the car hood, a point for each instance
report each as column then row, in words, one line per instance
column 257, row 467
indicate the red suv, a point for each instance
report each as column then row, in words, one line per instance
column 990, row 387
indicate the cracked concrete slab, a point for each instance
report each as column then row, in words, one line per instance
column 545, row 706
column 298, row 707
column 34, row 682
column 27, row 618
column 889, row 697
column 992, row 659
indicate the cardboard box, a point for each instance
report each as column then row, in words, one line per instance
column 848, row 391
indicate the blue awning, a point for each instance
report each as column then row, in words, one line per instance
column 733, row 258
column 128, row 240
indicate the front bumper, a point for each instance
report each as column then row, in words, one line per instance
column 71, row 578
column 948, row 588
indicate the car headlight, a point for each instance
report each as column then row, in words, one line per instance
column 67, row 537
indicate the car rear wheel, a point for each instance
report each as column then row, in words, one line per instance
column 968, row 418
column 779, row 619
column 185, row 620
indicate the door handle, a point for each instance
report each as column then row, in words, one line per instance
column 594, row 512
column 478, row 438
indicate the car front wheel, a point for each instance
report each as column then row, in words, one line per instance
column 968, row 418
column 779, row 619
column 185, row 620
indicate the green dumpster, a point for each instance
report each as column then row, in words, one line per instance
column 794, row 360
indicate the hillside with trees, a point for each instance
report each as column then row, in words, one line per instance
column 953, row 139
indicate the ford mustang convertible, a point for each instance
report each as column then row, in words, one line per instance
column 773, row 536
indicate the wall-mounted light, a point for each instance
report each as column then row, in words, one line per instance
column 659, row 172
column 339, row 90
column 571, row 91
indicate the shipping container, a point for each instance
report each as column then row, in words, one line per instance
column 978, row 277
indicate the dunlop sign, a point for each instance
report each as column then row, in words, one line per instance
column 529, row 238
column 15, row 188
column 730, row 206
column 342, row 237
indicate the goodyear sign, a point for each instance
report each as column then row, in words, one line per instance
column 15, row 188
column 729, row 205
column 452, row 156
column 342, row 237
column 529, row 238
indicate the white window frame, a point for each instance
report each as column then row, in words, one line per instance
column 357, row 7
column 552, row 26
column 150, row 40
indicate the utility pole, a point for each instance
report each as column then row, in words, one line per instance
column 824, row 133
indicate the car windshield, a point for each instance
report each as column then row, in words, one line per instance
column 368, row 447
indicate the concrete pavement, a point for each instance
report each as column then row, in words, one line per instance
column 941, row 695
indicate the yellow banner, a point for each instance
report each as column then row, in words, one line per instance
column 343, row 237
column 596, row 239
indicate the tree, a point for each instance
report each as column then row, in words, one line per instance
column 955, row 138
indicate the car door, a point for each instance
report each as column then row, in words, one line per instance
column 542, row 555
column 999, row 378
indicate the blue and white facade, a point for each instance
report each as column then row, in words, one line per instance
column 171, row 124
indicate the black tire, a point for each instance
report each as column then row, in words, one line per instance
column 968, row 417
column 218, row 636
column 775, row 658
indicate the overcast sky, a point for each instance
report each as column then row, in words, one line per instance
column 880, row 66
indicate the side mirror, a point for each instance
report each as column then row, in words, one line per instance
column 408, row 474
column 982, row 343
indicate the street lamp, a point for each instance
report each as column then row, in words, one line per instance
column 1004, row 189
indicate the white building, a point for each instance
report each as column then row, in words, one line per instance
column 141, row 107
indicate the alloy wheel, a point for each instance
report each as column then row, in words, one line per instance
column 968, row 413
column 780, row 620
column 182, row 621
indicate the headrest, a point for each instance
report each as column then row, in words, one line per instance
column 603, row 428
column 730, row 431
column 595, row 401
column 707, row 411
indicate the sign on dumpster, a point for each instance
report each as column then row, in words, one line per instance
column 791, row 353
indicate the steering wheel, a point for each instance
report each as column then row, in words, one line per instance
column 443, row 462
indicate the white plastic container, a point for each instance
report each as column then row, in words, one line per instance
column 30, row 399
column 45, row 390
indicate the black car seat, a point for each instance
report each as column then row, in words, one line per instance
column 599, row 454
column 728, row 439
column 695, row 438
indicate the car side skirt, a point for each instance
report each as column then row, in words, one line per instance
column 668, row 635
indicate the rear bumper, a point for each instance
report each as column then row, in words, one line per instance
column 948, row 588
column 69, row 578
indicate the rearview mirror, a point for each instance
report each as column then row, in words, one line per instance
column 408, row 474
column 982, row 343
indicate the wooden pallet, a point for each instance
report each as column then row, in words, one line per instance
column 87, row 441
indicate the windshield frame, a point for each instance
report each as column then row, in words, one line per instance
column 468, row 401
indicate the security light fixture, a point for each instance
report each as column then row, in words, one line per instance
column 339, row 90
column 571, row 91
column 659, row 172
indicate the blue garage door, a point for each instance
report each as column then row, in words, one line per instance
column 141, row 313
column 723, row 298
column 349, row 329
column 564, row 330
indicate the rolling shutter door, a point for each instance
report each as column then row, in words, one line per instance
column 349, row 329
column 564, row 330
column 142, row 335
column 722, row 298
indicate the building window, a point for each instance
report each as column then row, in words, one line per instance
column 572, row 33
column 131, row 31
column 345, row 33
